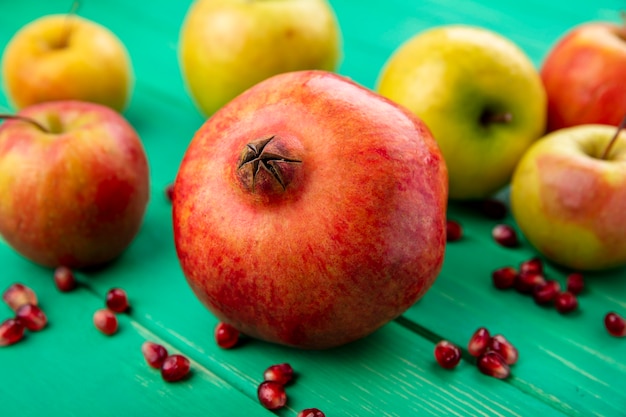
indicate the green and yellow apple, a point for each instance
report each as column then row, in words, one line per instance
column 310, row 211
column 226, row 46
column 585, row 76
column 74, row 183
column 66, row 57
column 478, row 93
column 568, row 196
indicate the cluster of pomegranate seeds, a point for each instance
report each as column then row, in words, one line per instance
column 106, row 321
column 505, row 235
column 226, row 336
column 311, row 412
column 19, row 294
column 530, row 279
column 11, row 331
column 64, row 279
column 175, row 367
column 154, row 354
column 447, row 354
column 615, row 324
column 117, row 300
column 28, row 315
column 271, row 392
column 492, row 364
column 454, row 231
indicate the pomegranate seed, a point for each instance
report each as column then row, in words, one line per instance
column 454, row 231
column 493, row 364
column 478, row 342
column 565, row 302
column 19, row 294
column 505, row 235
column 281, row 373
column 504, row 278
column 311, row 412
column 494, row 209
column 447, row 354
column 64, row 279
column 105, row 321
column 533, row 265
column 272, row 395
column 226, row 335
column 11, row 331
column 169, row 192
column 526, row 283
column 31, row 317
column 575, row 283
column 175, row 367
column 502, row 346
column 117, row 300
column 546, row 292
column 615, row 324
column 154, row 354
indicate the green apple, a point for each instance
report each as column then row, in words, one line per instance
column 568, row 196
column 479, row 94
column 63, row 57
column 227, row 46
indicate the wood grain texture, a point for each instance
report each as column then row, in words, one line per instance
column 568, row 365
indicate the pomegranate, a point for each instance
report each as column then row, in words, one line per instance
column 310, row 211
column 175, row 367
column 447, row 354
column 281, row 373
column 226, row 335
column 154, row 354
column 272, row 395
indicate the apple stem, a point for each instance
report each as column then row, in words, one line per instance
column 621, row 127
column 68, row 27
column 24, row 119
column 489, row 117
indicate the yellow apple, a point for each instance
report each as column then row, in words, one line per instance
column 479, row 94
column 227, row 46
column 569, row 200
column 61, row 57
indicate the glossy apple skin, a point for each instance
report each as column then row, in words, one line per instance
column 569, row 203
column 75, row 198
column 227, row 46
column 352, row 242
column 585, row 76
column 93, row 65
column 449, row 76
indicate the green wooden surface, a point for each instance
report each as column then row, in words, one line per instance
column 569, row 365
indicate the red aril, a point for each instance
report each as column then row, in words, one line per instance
column 272, row 395
column 493, row 364
column 526, row 282
column 154, row 354
column 281, row 373
column 546, row 292
column 31, row 317
column 11, row 331
column 311, row 412
column 105, row 321
column 226, row 336
column 169, row 192
column 447, row 354
column 479, row 342
column 175, row 367
column 504, row 277
column 575, row 283
column 505, row 235
column 64, row 279
column 504, row 348
column 615, row 324
column 117, row 300
column 534, row 265
column 565, row 302
column 454, row 231
column 19, row 294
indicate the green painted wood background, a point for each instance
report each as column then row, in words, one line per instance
column 569, row 365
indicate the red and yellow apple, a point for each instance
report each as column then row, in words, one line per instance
column 479, row 94
column 310, row 211
column 585, row 76
column 569, row 199
column 227, row 46
column 66, row 57
column 74, row 183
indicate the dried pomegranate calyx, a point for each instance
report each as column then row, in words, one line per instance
column 255, row 159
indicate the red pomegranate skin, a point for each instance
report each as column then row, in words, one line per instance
column 353, row 239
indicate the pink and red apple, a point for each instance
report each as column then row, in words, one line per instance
column 74, row 184
column 310, row 211
column 585, row 76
